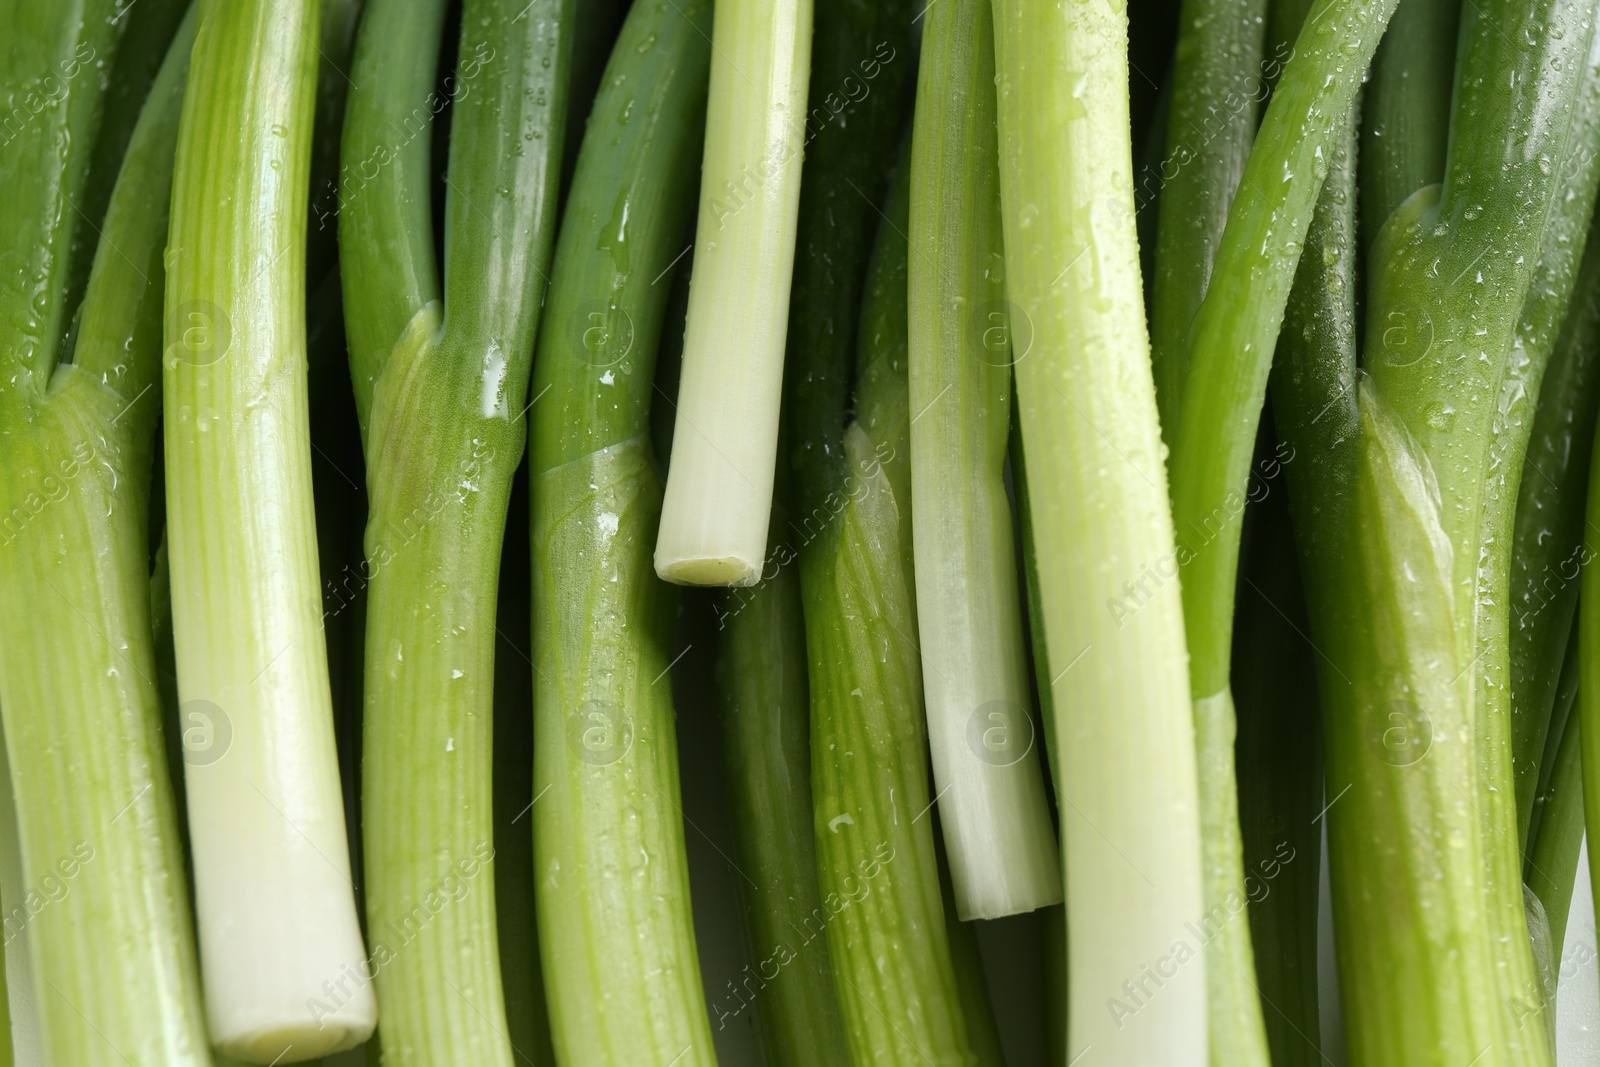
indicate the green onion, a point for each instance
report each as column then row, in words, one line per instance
column 1230, row 348
column 876, row 860
column 441, row 383
column 765, row 708
column 1542, row 326
column 719, row 484
column 1440, row 966
column 282, row 952
column 993, row 811
column 1313, row 396
column 1218, row 83
column 1450, row 273
column 1097, row 493
column 100, row 862
column 615, row 931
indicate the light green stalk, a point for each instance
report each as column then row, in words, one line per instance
column 98, row 909
column 986, row 764
column 1097, row 489
column 441, row 378
column 616, row 935
column 719, row 484
column 277, row 915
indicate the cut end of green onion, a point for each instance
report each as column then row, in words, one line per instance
column 719, row 483
column 296, row 1044
column 718, row 570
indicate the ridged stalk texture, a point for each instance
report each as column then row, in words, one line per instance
column 876, row 860
column 277, row 916
column 616, row 936
column 97, row 911
column 442, row 378
column 766, row 725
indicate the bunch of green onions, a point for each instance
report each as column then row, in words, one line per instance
column 803, row 533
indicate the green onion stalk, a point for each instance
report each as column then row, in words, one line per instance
column 615, row 931
column 1312, row 392
column 1490, row 254
column 1539, row 329
column 1219, row 81
column 718, row 501
column 877, row 865
column 765, row 711
column 993, row 811
column 1128, row 790
column 1405, row 477
column 440, row 376
column 280, row 944
column 100, row 859
column 1230, row 349
column 862, row 68
column 1543, row 340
